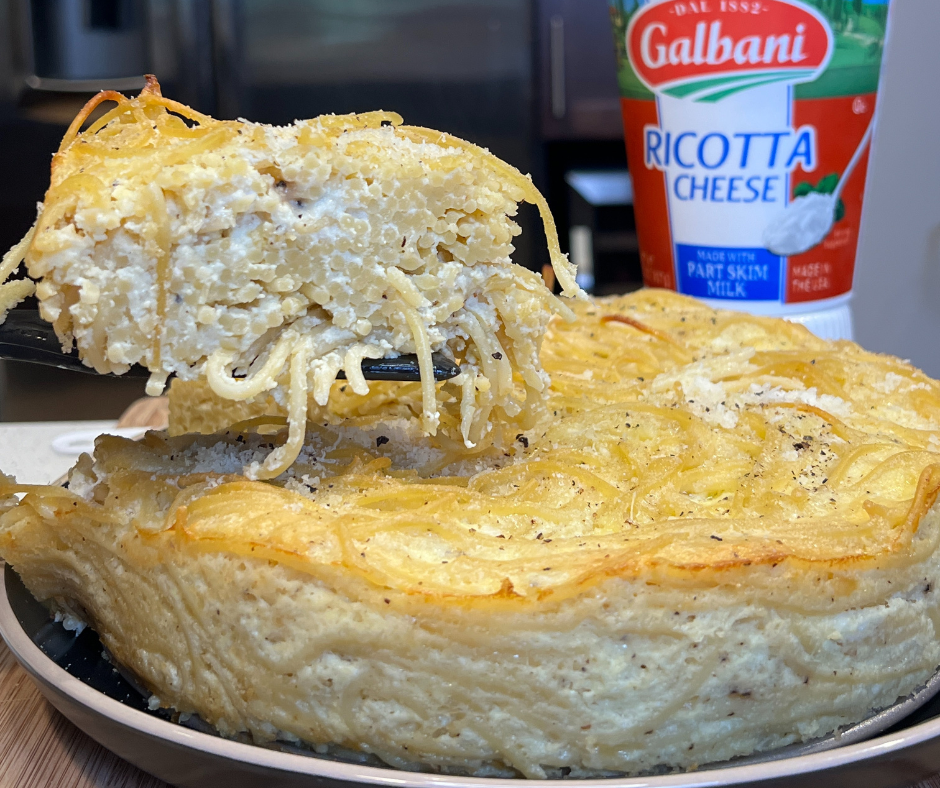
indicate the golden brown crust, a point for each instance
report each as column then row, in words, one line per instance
column 700, row 448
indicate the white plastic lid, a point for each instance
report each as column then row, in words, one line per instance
column 834, row 323
column 828, row 319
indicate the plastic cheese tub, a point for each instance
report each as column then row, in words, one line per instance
column 747, row 126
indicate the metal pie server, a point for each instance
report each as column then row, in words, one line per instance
column 25, row 336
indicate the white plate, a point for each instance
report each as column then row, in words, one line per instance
column 193, row 759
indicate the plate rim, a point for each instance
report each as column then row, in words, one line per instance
column 42, row 668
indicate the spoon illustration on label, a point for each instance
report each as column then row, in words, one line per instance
column 807, row 220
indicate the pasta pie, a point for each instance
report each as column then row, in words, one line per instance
column 266, row 260
column 724, row 541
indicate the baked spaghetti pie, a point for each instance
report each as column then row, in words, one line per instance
column 266, row 260
column 724, row 541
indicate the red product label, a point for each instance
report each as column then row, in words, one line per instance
column 651, row 212
column 826, row 270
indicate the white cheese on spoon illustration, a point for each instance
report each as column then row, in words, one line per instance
column 807, row 220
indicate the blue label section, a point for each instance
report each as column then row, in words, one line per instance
column 729, row 272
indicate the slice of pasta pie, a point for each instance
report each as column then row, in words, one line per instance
column 263, row 259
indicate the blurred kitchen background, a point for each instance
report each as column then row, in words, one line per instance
column 533, row 80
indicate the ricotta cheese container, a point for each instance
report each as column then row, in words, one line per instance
column 747, row 126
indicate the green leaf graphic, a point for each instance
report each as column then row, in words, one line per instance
column 828, row 184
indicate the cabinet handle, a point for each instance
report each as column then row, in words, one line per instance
column 556, row 43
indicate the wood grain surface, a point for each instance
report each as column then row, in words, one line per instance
column 39, row 748
column 153, row 412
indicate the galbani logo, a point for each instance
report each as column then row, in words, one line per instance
column 704, row 50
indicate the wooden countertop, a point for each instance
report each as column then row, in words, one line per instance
column 39, row 748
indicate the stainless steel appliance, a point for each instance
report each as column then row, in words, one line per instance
column 80, row 45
